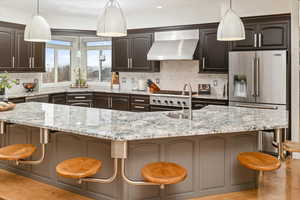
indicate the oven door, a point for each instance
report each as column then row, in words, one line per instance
column 163, row 108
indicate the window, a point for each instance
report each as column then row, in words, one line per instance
column 58, row 62
column 98, row 61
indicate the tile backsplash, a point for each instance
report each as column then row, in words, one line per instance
column 174, row 74
column 23, row 78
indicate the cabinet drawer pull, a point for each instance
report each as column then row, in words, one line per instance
column 139, row 100
column 32, row 62
column 255, row 40
column 13, row 62
column 139, row 107
column 128, row 63
column 80, row 97
column 203, row 63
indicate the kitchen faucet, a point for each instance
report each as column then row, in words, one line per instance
column 190, row 90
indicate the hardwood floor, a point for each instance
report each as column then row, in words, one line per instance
column 283, row 184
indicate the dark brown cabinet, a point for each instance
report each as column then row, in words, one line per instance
column 7, row 48
column 250, row 41
column 17, row 100
column 265, row 35
column 17, row 55
column 58, row 99
column 213, row 53
column 120, row 102
column 130, row 53
column 140, row 103
column 102, row 100
column 112, row 101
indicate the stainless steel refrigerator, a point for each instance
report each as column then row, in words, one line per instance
column 258, row 79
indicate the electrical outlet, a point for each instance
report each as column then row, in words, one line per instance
column 17, row 81
column 157, row 81
column 215, row 82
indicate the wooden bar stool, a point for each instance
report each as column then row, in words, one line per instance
column 291, row 147
column 259, row 162
column 78, row 168
column 17, row 152
column 164, row 173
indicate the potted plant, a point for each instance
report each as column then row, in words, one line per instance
column 5, row 83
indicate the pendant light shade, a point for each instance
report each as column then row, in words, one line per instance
column 112, row 22
column 38, row 30
column 231, row 27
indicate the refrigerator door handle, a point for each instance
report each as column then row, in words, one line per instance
column 257, row 76
column 253, row 78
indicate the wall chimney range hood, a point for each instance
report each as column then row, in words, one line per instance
column 174, row 45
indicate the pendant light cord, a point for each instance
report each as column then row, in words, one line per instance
column 38, row 7
column 230, row 4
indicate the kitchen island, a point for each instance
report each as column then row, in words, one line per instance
column 207, row 146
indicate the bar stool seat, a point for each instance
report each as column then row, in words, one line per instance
column 17, row 151
column 77, row 168
column 291, row 146
column 258, row 161
column 164, row 173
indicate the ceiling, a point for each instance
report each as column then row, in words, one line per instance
column 93, row 7
column 82, row 14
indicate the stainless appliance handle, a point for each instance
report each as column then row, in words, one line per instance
column 257, row 76
column 257, row 106
column 255, row 40
column 128, row 63
column 203, row 63
column 259, row 39
column 81, row 104
column 253, row 79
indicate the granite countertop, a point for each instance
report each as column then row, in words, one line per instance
column 100, row 89
column 121, row 125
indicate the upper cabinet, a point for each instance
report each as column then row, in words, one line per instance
column 18, row 55
column 213, row 53
column 130, row 53
column 265, row 34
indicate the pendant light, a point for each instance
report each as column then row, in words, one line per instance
column 38, row 30
column 231, row 27
column 112, row 22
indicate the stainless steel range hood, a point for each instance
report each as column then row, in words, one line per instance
column 174, row 45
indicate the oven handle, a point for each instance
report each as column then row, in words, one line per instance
column 258, row 107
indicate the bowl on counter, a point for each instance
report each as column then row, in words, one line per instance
column 29, row 87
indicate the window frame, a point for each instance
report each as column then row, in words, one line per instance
column 72, row 49
column 84, row 51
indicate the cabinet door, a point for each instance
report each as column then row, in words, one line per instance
column 251, row 41
column 7, row 48
column 102, row 100
column 213, row 53
column 120, row 103
column 140, row 45
column 120, row 54
column 22, row 52
column 38, row 56
column 58, row 99
column 273, row 35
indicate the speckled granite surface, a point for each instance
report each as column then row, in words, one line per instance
column 100, row 89
column 120, row 125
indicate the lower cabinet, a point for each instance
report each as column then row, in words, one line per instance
column 112, row 101
column 58, row 99
column 17, row 100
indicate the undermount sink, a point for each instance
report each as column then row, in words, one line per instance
column 177, row 115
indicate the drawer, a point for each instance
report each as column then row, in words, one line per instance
column 140, row 108
column 140, row 99
column 17, row 100
column 79, row 96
